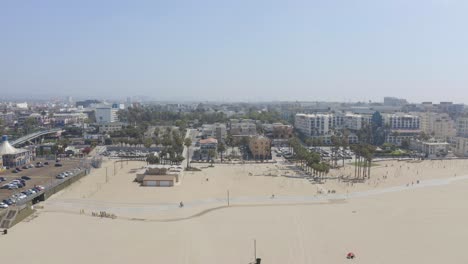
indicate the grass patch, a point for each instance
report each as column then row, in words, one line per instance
column 373, row 164
column 192, row 169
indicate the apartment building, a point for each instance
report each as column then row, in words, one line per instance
column 69, row 118
column 462, row 126
column 402, row 121
column 110, row 127
column 461, row 146
column 260, row 147
column 402, row 126
column 314, row 125
column 216, row 130
column 242, row 127
column 106, row 114
column 278, row 131
column 439, row 125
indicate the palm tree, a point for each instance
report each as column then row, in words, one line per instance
column 187, row 144
column 221, row 149
column 211, row 155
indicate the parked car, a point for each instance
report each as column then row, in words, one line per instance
column 12, row 186
column 3, row 205
column 58, row 165
column 41, row 188
column 14, row 171
column 25, row 167
column 8, row 201
column 46, row 163
column 60, row 176
column 2, row 179
column 27, row 178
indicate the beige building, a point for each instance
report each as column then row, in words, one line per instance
column 110, row 127
column 242, row 127
column 159, row 175
column 461, row 147
column 160, row 180
column 438, row 125
column 432, row 149
column 260, row 147
column 462, row 127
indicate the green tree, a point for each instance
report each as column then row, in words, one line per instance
column 152, row 159
column 211, row 155
column 221, row 149
column 405, row 143
column 147, row 142
column 29, row 124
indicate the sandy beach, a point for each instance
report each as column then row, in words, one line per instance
column 382, row 220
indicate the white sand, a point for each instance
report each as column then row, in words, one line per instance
column 416, row 225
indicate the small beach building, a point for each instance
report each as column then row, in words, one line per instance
column 159, row 175
column 13, row 157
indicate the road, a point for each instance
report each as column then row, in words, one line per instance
column 192, row 134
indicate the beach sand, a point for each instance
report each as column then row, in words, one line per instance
column 409, row 225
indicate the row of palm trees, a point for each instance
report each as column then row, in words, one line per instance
column 364, row 154
column 309, row 161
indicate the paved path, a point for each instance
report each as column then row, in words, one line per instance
column 139, row 209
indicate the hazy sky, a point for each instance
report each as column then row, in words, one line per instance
column 344, row 50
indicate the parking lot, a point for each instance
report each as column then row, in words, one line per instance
column 43, row 176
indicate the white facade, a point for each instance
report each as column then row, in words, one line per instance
column 323, row 124
column 401, row 121
column 313, row 124
column 106, row 114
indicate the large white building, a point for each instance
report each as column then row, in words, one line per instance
column 403, row 127
column 313, row 125
column 106, row 114
column 402, row 121
column 323, row 124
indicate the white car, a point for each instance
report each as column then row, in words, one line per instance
column 3, row 205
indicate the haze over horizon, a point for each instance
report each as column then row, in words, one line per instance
column 236, row 51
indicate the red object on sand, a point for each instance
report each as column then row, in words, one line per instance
column 350, row 255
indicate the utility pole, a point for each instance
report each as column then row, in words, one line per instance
column 255, row 249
